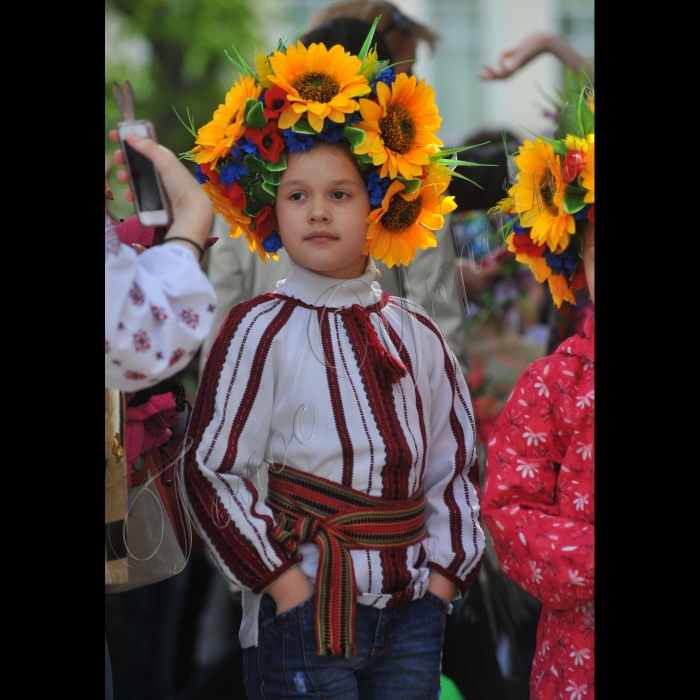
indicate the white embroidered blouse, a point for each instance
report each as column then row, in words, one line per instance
column 290, row 380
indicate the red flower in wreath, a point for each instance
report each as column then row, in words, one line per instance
column 265, row 222
column 275, row 102
column 268, row 141
column 521, row 244
column 237, row 196
column 206, row 169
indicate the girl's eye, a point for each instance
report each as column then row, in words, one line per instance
column 339, row 195
column 296, row 196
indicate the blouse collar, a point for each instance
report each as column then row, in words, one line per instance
column 316, row 290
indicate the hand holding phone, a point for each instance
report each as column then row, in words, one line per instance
column 150, row 198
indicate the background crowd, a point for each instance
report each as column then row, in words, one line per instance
column 178, row 639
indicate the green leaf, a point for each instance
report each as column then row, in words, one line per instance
column 270, row 189
column 573, row 200
column 260, row 194
column 364, row 159
column 254, row 165
column 242, row 66
column 303, row 127
column 253, row 114
column 461, row 177
column 252, row 208
column 277, row 167
column 451, row 161
column 411, row 185
column 271, row 177
column 368, row 40
column 191, row 127
column 354, row 136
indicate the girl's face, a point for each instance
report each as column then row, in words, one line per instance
column 321, row 207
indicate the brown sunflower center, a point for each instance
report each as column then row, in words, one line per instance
column 319, row 87
column 398, row 129
column 548, row 187
column 401, row 214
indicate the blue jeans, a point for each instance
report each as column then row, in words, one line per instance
column 399, row 654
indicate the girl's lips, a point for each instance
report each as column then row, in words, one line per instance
column 321, row 236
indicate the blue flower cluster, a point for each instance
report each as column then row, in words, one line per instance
column 376, row 188
column 387, row 76
column 200, row 176
column 582, row 214
column 272, row 243
column 563, row 263
column 232, row 171
column 331, row 131
column 297, row 142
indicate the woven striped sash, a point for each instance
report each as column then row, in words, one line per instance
column 337, row 518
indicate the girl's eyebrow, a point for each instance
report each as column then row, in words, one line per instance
column 342, row 181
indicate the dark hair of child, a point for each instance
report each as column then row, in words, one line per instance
column 494, row 181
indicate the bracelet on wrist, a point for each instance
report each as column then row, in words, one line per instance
column 187, row 240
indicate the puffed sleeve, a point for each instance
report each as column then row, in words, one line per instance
column 223, row 470
column 159, row 307
column 455, row 544
column 538, row 497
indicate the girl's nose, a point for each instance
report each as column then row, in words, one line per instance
column 319, row 213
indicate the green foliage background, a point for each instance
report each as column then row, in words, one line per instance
column 188, row 70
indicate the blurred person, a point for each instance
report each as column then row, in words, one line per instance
column 400, row 33
column 158, row 308
column 490, row 639
column 539, row 501
column 159, row 305
column 535, row 45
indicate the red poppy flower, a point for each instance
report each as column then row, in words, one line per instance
column 591, row 213
column 268, row 141
column 265, row 222
column 276, row 102
column 237, row 196
column 524, row 246
column 574, row 163
column 206, row 169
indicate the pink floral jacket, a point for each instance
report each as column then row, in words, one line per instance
column 539, row 508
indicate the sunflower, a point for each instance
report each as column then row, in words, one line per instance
column 588, row 173
column 214, row 140
column 401, row 224
column 538, row 196
column 400, row 127
column 319, row 82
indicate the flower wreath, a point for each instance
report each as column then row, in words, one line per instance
column 297, row 94
column 553, row 198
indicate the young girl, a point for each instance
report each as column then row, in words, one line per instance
column 539, row 494
column 345, row 405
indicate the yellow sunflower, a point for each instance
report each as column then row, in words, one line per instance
column 401, row 225
column 539, row 195
column 319, row 82
column 588, row 173
column 400, row 127
column 214, row 140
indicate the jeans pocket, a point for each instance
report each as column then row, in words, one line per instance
column 436, row 601
column 271, row 620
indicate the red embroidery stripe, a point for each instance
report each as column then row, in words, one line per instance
column 336, row 400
